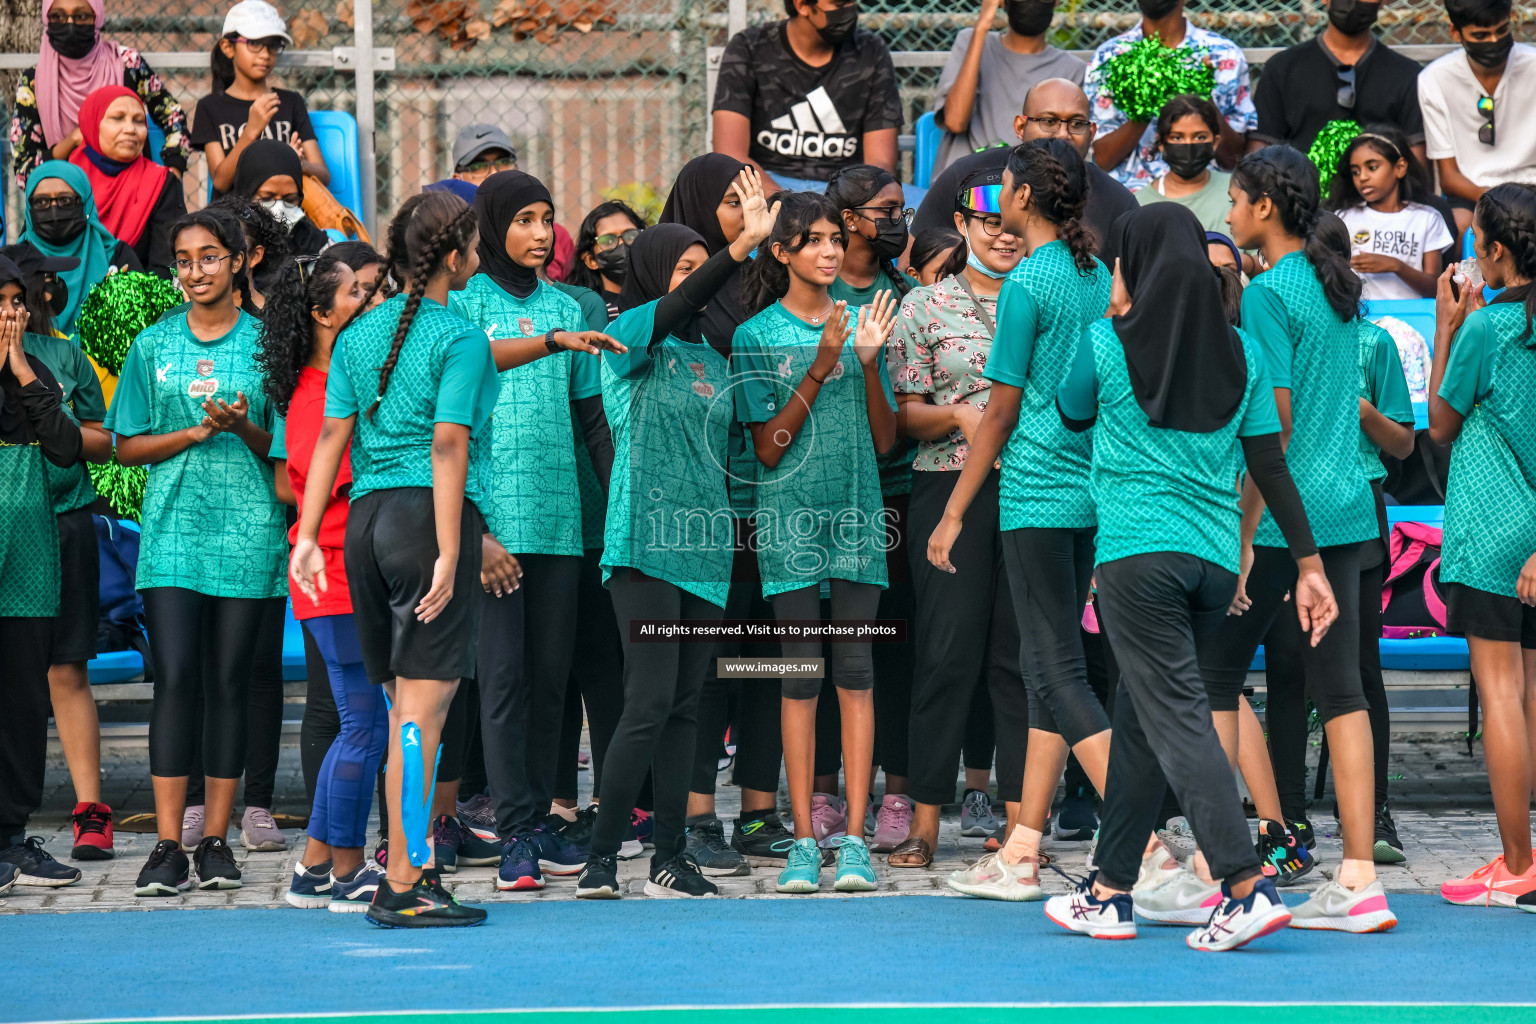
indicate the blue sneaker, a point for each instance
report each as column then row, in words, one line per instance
column 310, row 888
column 519, row 866
column 353, row 894
column 854, row 872
column 557, row 855
column 446, row 837
column 478, row 848
column 802, row 872
column 1081, row 911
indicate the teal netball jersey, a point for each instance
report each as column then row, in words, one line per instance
column 443, row 374
column 1154, row 488
column 1314, row 354
column 212, row 522
column 71, row 488
column 1042, row 310
column 532, row 501
column 819, row 512
column 1490, row 503
column 669, row 407
column 1384, row 385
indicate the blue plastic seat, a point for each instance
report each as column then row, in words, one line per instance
column 336, row 132
column 115, row 667
column 926, row 150
column 155, row 143
column 293, row 648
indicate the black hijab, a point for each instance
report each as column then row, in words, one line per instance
column 1186, row 362
column 263, row 159
column 13, row 418
column 497, row 201
column 652, row 258
column 700, row 186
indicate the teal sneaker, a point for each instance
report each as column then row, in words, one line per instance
column 854, row 872
column 802, row 873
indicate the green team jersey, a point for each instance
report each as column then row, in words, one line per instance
column 594, row 506
column 1314, row 354
column 669, row 407
column 819, row 511
column 1042, row 310
column 1155, row 488
column 896, row 464
column 29, row 533
column 532, row 500
column 1490, row 503
column 443, row 374
column 212, row 522
column 71, row 488
column 1383, row 384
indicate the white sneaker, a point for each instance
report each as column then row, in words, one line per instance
column 992, row 878
column 1081, row 912
column 1235, row 923
column 1335, row 908
column 1168, row 893
column 191, row 827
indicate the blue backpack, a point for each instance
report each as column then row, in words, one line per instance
column 122, row 609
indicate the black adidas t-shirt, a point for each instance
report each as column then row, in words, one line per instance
column 807, row 122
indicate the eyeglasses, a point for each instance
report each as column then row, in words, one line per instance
column 602, row 243
column 209, row 263
column 1485, row 133
column 505, row 163
column 991, row 223
column 1346, row 94
column 65, row 202
column 1052, row 125
column 891, row 214
column 82, row 18
column 274, row 45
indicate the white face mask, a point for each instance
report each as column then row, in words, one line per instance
column 289, row 213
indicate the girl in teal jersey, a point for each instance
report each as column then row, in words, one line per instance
column 1045, row 511
column 819, row 413
column 1482, row 398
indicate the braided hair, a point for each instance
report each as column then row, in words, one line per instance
column 856, row 185
column 428, row 227
column 287, row 338
column 766, row 280
column 224, row 227
column 1388, row 142
column 1290, row 181
column 1058, row 185
column 1507, row 214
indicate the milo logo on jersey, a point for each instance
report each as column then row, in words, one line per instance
column 205, row 383
column 812, row 128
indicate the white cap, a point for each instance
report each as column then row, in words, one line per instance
column 256, row 19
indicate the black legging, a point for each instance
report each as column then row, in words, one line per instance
column 658, row 726
column 596, row 679
column 852, row 664
column 24, row 724
column 894, row 662
column 264, row 712
column 202, row 647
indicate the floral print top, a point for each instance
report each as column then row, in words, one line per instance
column 27, row 143
column 939, row 347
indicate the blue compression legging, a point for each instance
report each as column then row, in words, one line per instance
column 344, row 785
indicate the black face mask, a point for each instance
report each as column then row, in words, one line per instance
column 1493, row 54
column 1188, row 159
column 57, row 225
column 613, row 263
column 1353, row 16
column 71, row 40
column 1156, row 9
column 890, row 239
column 58, row 296
column 841, row 22
column 1030, row 17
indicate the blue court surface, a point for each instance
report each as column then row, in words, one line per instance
column 896, row 960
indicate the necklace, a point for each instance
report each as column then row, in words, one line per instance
column 813, row 319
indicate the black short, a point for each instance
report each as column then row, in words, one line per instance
column 1473, row 612
column 74, row 628
column 391, row 547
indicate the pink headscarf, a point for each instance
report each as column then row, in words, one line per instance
column 61, row 84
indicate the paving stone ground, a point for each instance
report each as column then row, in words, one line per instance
column 1440, row 799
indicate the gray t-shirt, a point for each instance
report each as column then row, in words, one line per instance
column 1003, row 80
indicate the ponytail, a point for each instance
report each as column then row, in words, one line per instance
column 1507, row 215
column 1290, row 182
column 854, row 186
column 765, row 280
column 1058, row 184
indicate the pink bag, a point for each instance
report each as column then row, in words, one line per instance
column 1411, row 605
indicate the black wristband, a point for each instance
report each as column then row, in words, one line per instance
column 818, row 380
column 550, row 343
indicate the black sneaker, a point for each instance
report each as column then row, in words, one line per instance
column 1389, row 848
column 215, row 864
column 8, row 875
column 599, row 880
column 424, row 905
column 705, row 843
column 1284, row 858
column 579, row 832
column 165, row 873
column 36, row 866
column 762, row 839
column 678, row 876
column 1302, row 830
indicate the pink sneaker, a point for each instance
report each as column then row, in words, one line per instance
column 829, row 819
column 1492, row 885
column 893, row 822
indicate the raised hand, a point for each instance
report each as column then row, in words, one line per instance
column 225, row 417
column 13, row 324
column 758, row 217
column 829, row 351
column 875, row 323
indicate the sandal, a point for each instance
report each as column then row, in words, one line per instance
column 911, row 846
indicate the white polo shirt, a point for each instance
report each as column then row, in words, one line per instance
column 1448, row 95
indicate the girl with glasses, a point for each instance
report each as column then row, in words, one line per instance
column 61, row 221
column 602, row 250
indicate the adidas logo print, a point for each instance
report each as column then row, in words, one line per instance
column 812, row 128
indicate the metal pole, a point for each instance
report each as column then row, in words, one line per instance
column 362, row 43
column 736, row 16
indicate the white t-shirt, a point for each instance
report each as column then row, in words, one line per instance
column 1448, row 95
column 1407, row 235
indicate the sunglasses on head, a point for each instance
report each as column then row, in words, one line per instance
column 1485, row 133
column 982, row 199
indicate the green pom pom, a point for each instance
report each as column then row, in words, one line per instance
column 1328, row 149
column 116, row 310
column 122, row 486
column 1150, row 74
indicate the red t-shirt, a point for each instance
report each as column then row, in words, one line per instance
column 306, row 412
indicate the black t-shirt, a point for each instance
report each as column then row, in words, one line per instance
column 221, row 118
column 1298, row 93
column 1107, row 198
column 807, row 122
